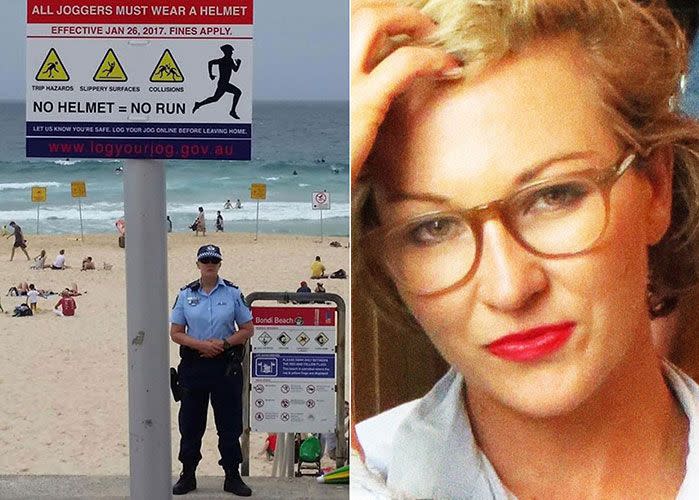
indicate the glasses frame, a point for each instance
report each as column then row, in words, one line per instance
column 501, row 209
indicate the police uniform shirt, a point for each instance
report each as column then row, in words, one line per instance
column 212, row 315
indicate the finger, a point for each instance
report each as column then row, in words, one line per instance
column 370, row 27
column 360, row 4
column 397, row 71
column 371, row 99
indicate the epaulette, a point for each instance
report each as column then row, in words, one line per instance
column 228, row 283
column 193, row 286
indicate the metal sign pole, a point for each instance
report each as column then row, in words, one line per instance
column 257, row 220
column 37, row 217
column 321, row 226
column 148, row 360
column 80, row 208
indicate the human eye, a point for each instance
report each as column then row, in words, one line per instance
column 555, row 198
column 434, row 230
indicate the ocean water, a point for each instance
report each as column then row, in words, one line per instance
column 309, row 138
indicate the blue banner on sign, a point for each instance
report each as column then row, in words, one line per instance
column 149, row 130
column 293, row 365
column 147, row 149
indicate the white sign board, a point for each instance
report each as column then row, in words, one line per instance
column 166, row 79
column 293, row 385
column 320, row 200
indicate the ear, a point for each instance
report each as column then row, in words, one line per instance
column 659, row 171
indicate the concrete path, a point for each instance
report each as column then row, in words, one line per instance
column 102, row 487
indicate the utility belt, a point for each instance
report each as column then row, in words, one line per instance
column 232, row 357
column 236, row 351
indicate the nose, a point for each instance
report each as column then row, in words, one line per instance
column 509, row 278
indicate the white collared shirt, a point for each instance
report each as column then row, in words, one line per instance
column 408, row 447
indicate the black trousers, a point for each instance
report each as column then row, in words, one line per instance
column 203, row 379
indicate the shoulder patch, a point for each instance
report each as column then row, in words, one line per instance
column 194, row 286
column 229, row 283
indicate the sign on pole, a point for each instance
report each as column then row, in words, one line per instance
column 320, row 200
column 38, row 194
column 163, row 79
column 38, row 197
column 293, row 379
column 150, row 80
column 78, row 190
column 258, row 192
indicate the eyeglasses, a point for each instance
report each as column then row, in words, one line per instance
column 556, row 217
column 209, row 260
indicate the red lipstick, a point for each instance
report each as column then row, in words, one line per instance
column 532, row 344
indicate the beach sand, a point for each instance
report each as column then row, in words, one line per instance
column 63, row 380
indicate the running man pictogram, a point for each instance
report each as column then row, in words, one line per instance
column 226, row 66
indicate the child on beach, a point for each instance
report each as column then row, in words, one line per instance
column 87, row 264
column 32, row 297
column 219, row 221
column 39, row 261
column 270, row 446
column 66, row 305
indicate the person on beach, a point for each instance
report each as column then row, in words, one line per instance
column 238, row 204
column 20, row 242
column 227, row 205
column 169, row 224
column 87, row 264
column 21, row 289
column 32, row 298
column 303, row 288
column 66, row 305
column 211, row 323
column 39, row 261
column 59, row 262
column 219, row 221
column 317, row 268
column 72, row 290
column 200, row 223
column 520, row 174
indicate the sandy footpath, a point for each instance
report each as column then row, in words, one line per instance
column 63, row 381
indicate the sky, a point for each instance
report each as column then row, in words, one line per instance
column 302, row 43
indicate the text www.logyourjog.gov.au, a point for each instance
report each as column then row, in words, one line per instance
column 142, row 149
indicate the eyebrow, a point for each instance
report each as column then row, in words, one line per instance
column 529, row 174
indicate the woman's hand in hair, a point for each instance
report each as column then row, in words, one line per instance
column 378, row 73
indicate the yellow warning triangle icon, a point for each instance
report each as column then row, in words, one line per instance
column 167, row 70
column 110, row 69
column 52, row 69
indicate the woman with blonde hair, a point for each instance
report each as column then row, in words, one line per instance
column 526, row 194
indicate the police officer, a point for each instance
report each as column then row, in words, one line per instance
column 204, row 320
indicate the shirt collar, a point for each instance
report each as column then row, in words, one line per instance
column 219, row 282
column 439, row 423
